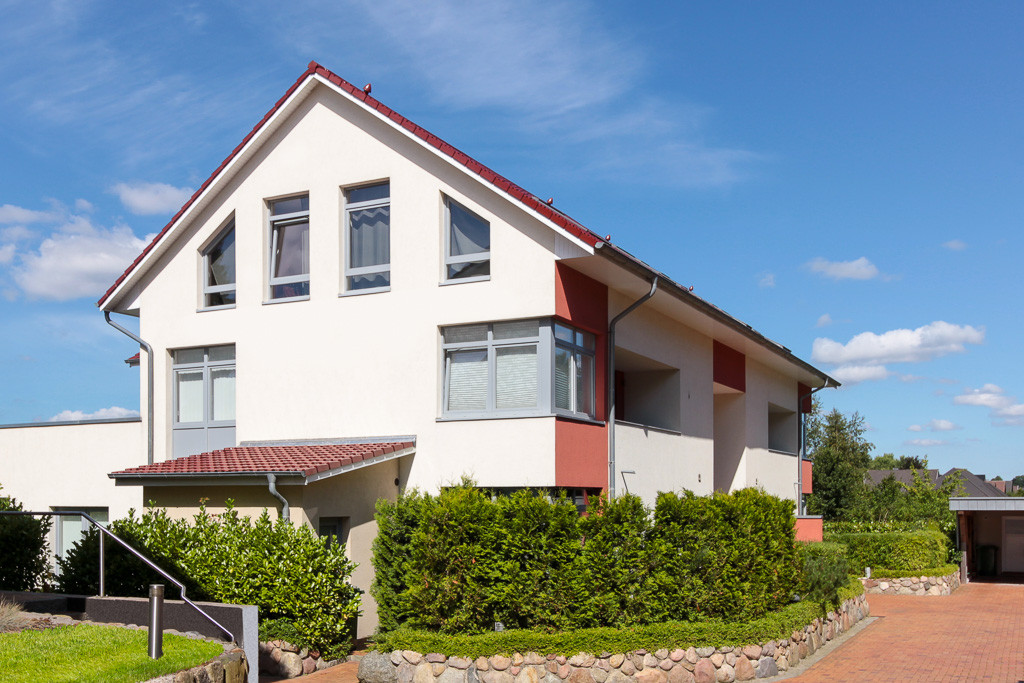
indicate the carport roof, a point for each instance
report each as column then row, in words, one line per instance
column 1010, row 503
column 294, row 463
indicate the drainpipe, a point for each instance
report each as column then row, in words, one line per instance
column 149, row 383
column 803, row 449
column 611, row 383
column 272, row 487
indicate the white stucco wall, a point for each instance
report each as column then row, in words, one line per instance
column 773, row 471
column 661, row 461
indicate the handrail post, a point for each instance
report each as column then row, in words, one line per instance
column 156, row 621
column 103, row 566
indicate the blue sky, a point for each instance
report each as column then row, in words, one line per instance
column 847, row 178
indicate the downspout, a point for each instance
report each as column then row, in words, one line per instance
column 803, row 448
column 611, row 383
column 149, row 383
column 272, row 487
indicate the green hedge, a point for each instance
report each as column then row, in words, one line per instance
column 669, row 635
column 286, row 570
column 23, row 556
column 460, row 561
column 885, row 573
column 903, row 551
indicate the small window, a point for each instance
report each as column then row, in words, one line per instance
column 368, row 238
column 289, row 248
column 219, row 270
column 574, row 371
column 468, row 244
column 334, row 529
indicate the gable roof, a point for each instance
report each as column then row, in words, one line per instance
column 311, row 462
column 974, row 486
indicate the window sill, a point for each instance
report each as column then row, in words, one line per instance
column 286, row 300
column 511, row 415
column 781, row 452
column 584, row 419
column 360, row 292
column 226, row 307
column 464, row 280
column 652, row 428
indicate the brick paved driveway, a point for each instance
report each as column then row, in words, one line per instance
column 976, row 634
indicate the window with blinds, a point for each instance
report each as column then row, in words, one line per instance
column 574, row 370
column 492, row 367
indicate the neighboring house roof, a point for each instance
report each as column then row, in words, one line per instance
column 306, row 462
column 532, row 202
column 974, row 485
column 134, row 360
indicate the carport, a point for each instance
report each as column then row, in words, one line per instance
column 991, row 536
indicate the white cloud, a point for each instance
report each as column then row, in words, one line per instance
column 767, row 280
column 102, row 413
column 915, row 428
column 858, row 269
column 78, row 260
column 6, row 254
column 151, row 198
column 84, row 206
column 898, row 346
column 926, row 442
column 935, row 426
column 16, row 214
column 824, row 320
column 855, row 374
column 955, row 245
column 1003, row 408
column 15, row 233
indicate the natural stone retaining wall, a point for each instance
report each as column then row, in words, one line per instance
column 230, row 667
column 914, row 585
column 280, row 658
column 692, row 665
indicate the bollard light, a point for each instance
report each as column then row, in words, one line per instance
column 156, row 621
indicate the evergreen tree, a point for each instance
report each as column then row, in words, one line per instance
column 841, row 456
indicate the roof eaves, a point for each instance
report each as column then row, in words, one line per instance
column 377, row 457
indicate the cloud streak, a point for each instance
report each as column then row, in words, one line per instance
column 112, row 412
column 857, row 269
column 147, row 199
column 1003, row 408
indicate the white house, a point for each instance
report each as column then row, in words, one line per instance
column 349, row 307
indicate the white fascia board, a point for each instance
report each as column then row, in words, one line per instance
column 225, row 174
column 451, row 162
column 360, row 465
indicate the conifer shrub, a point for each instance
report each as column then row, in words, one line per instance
column 23, row 548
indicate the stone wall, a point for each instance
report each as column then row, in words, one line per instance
column 914, row 585
column 230, row 667
column 692, row 665
column 280, row 658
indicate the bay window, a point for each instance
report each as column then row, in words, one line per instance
column 574, row 371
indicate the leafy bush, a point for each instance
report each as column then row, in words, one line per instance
column 458, row 562
column 23, row 548
column 912, row 550
column 284, row 569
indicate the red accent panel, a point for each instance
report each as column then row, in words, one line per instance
column 803, row 397
column 730, row 367
column 809, row 529
column 581, row 454
column 807, row 468
column 583, row 302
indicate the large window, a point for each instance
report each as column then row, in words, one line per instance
column 289, row 248
column 219, row 270
column 574, row 370
column 203, row 399
column 71, row 528
column 368, row 238
column 518, row 368
column 467, row 244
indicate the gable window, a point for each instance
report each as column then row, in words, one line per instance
column 467, row 244
column 219, row 270
column 492, row 367
column 368, row 238
column 203, row 400
column 574, row 371
column 289, row 248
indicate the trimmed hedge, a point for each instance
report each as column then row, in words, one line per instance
column 459, row 561
column 669, row 635
column 286, row 570
column 882, row 573
column 903, row 551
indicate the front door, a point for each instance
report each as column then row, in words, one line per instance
column 1013, row 544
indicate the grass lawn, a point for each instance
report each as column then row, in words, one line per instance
column 104, row 654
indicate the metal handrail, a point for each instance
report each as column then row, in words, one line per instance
column 103, row 530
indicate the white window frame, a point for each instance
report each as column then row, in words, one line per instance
column 279, row 221
column 576, row 351
column 208, row 288
column 380, row 269
column 207, row 367
column 452, row 260
column 541, row 343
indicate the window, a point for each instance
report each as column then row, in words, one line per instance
column 203, row 399
column 368, row 238
column 574, row 370
column 219, row 270
column 468, row 244
column 289, row 248
column 492, row 367
column 71, row 528
column 334, row 529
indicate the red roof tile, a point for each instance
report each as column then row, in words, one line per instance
column 530, row 200
column 305, row 460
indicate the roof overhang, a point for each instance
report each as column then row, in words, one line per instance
column 987, row 504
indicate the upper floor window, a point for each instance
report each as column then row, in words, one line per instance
column 203, row 416
column 289, row 248
column 219, row 270
column 492, row 367
column 467, row 244
column 368, row 238
column 574, row 370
